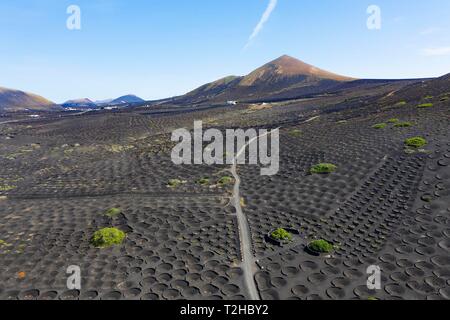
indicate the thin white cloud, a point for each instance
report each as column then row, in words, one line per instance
column 434, row 52
column 265, row 17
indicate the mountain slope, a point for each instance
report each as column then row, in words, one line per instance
column 210, row 90
column 283, row 78
column 417, row 91
column 16, row 100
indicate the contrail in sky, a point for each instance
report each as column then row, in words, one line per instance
column 265, row 17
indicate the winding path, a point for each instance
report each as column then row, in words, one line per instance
column 249, row 265
column 248, row 261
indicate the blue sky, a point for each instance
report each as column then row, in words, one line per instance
column 161, row 48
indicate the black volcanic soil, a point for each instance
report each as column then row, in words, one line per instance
column 383, row 206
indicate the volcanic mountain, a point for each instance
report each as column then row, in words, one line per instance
column 127, row 99
column 15, row 100
column 288, row 68
column 104, row 102
column 80, row 104
column 283, row 78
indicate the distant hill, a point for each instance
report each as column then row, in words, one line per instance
column 89, row 104
column 285, row 77
column 127, row 99
column 80, row 104
column 16, row 100
column 103, row 102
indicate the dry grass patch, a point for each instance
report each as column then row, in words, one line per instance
column 259, row 107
